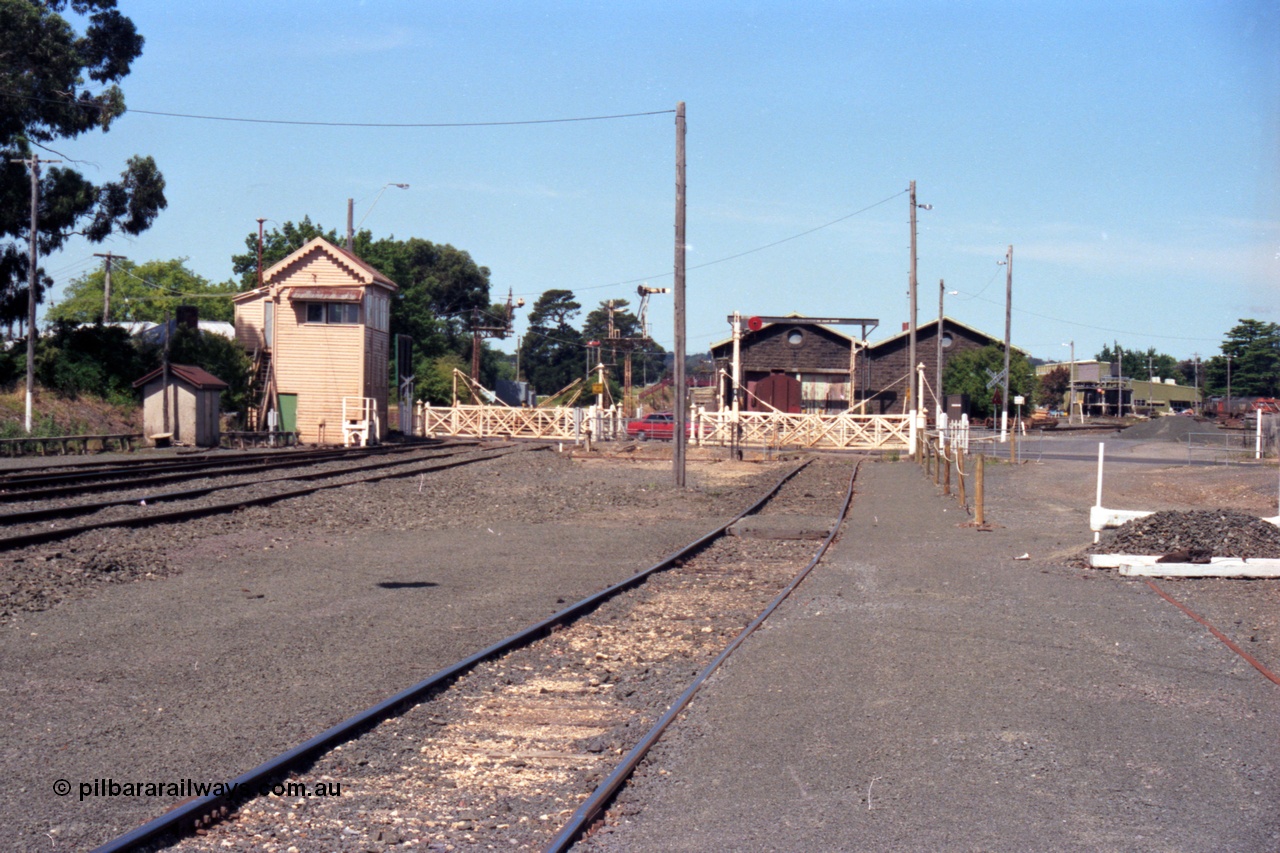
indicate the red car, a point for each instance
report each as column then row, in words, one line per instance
column 660, row 425
column 654, row 425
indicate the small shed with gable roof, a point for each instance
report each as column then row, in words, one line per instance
column 184, row 412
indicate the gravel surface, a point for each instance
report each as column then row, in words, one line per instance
column 42, row 575
column 504, row 757
column 1197, row 534
column 197, row 651
column 937, row 687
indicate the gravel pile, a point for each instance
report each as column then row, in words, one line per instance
column 1199, row 533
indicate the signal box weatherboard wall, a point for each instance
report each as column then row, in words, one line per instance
column 320, row 330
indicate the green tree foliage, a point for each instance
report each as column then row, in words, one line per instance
column 104, row 361
column 553, row 352
column 222, row 357
column 1141, row 364
column 1054, row 386
column 100, row 361
column 56, row 83
column 278, row 244
column 143, row 292
column 966, row 373
column 1254, row 348
column 440, row 287
column 434, row 379
column 648, row 360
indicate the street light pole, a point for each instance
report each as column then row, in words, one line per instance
column 351, row 229
column 942, row 290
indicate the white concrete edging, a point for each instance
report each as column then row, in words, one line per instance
column 1139, row 565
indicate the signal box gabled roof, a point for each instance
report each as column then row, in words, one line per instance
column 357, row 267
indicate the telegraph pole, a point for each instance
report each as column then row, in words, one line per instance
column 679, row 438
column 1008, row 316
column 912, row 403
column 1228, row 356
column 106, row 283
column 1195, row 378
column 260, row 235
column 911, row 297
column 1071, row 386
column 937, row 391
column 34, row 165
column 1119, row 380
column 351, row 230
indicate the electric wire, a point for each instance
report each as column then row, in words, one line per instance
column 732, row 257
column 312, row 123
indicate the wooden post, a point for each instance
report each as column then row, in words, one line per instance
column 960, row 470
column 946, row 475
column 1013, row 444
column 979, row 489
column 681, row 409
column 1008, row 314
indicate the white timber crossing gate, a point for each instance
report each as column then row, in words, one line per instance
column 844, row 431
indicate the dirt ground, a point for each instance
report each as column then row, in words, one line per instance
column 293, row 617
column 1152, row 475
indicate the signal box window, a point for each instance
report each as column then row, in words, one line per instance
column 333, row 312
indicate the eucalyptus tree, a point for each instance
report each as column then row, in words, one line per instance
column 58, row 83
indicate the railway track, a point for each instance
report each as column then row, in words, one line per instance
column 522, row 744
column 31, row 525
column 42, row 483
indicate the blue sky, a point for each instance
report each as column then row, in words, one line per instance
column 1129, row 152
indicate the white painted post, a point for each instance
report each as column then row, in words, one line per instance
column 737, row 362
column 923, row 410
column 1257, row 440
column 1098, row 500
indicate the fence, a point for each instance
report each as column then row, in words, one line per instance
column 64, row 444
column 844, row 431
column 558, row 424
column 1237, row 446
column 762, row 429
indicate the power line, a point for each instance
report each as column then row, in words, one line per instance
column 303, row 123
column 1095, row 328
column 745, row 253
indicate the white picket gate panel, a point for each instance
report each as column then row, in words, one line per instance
column 775, row 429
column 758, row 429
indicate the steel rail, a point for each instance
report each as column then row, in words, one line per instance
column 1227, row 641
column 36, row 537
column 31, row 515
column 609, row 787
column 80, row 482
column 189, row 816
column 35, row 475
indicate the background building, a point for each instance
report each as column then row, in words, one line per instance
column 319, row 330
